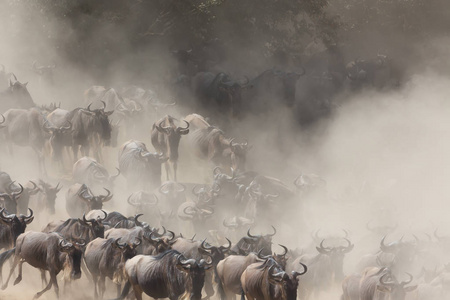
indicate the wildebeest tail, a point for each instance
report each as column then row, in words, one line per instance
column 5, row 255
column 125, row 291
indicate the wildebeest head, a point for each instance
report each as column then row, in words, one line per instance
column 9, row 200
column 216, row 253
column 381, row 229
column 229, row 92
column 255, row 243
column 174, row 193
column 100, row 122
column 128, row 249
column 309, row 182
column 173, row 134
column 196, row 275
column 20, row 93
column 74, row 252
column 50, row 194
column 205, row 195
column 95, row 225
column 288, row 283
column 336, row 255
column 57, row 137
column 17, row 224
column 93, row 202
column 391, row 286
column 42, row 69
column 161, row 243
column 238, row 154
column 196, row 214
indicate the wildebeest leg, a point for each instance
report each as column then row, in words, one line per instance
column 175, row 166
column 43, row 278
column 19, row 277
column 16, row 261
column 243, row 295
column 166, row 166
column 101, row 286
column 53, row 281
column 118, row 285
column 138, row 292
column 75, row 152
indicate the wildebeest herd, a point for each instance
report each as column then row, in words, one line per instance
column 192, row 239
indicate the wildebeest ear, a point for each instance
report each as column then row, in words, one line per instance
column 383, row 288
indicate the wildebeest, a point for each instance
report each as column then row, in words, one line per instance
column 45, row 199
column 29, row 191
column 27, row 128
column 85, row 229
column 88, row 171
column 173, row 194
column 147, row 204
column 45, row 72
column 381, row 284
column 6, row 183
column 167, row 275
column 11, row 226
column 325, row 267
column 268, row 281
column 141, row 168
column 254, row 243
column 229, row 273
column 47, row 252
column 106, row 258
column 9, row 200
column 16, row 96
column 219, row 92
column 80, row 199
column 269, row 90
column 90, row 128
column 165, row 138
column 210, row 143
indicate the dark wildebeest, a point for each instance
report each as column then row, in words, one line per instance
column 90, row 128
column 219, row 92
column 11, row 226
column 61, row 139
column 200, row 249
column 268, row 281
column 254, row 243
column 236, row 226
column 210, row 143
column 152, row 242
column 167, row 275
column 47, row 252
column 271, row 89
column 377, row 72
column 165, row 138
column 85, row 229
column 326, row 267
column 117, row 220
column 16, row 96
column 27, row 128
column 379, row 284
column 141, row 168
column 9, row 200
column 106, row 258
column 198, row 215
column 88, row 171
column 80, row 199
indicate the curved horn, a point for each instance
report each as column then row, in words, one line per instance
column 5, row 218
column 136, row 221
column 305, row 269
column 217, row 170
column 131, row 203
column 403, row 283
column 183, row 187
column 120, row 245
column 229, row 225
column 14, row 194
column 106, row 215
column 196, row 193
column 161, row 128
column 67, row 127
column 349, row 247
column 35, row 187
column 4, row 119
column 274, row 231
column 386, row 283
column 204, row 246
column 104, row 105
column 252, row 236
column 108, row 196
column 285, row 250
column 162, row 189
column 189, row 214
column 227, row 248
column 184, row 130
column 89, row 107
column 137, row 242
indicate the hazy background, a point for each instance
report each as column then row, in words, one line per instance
column 384, row 154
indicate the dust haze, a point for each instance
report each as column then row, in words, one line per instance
column 383, row 152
